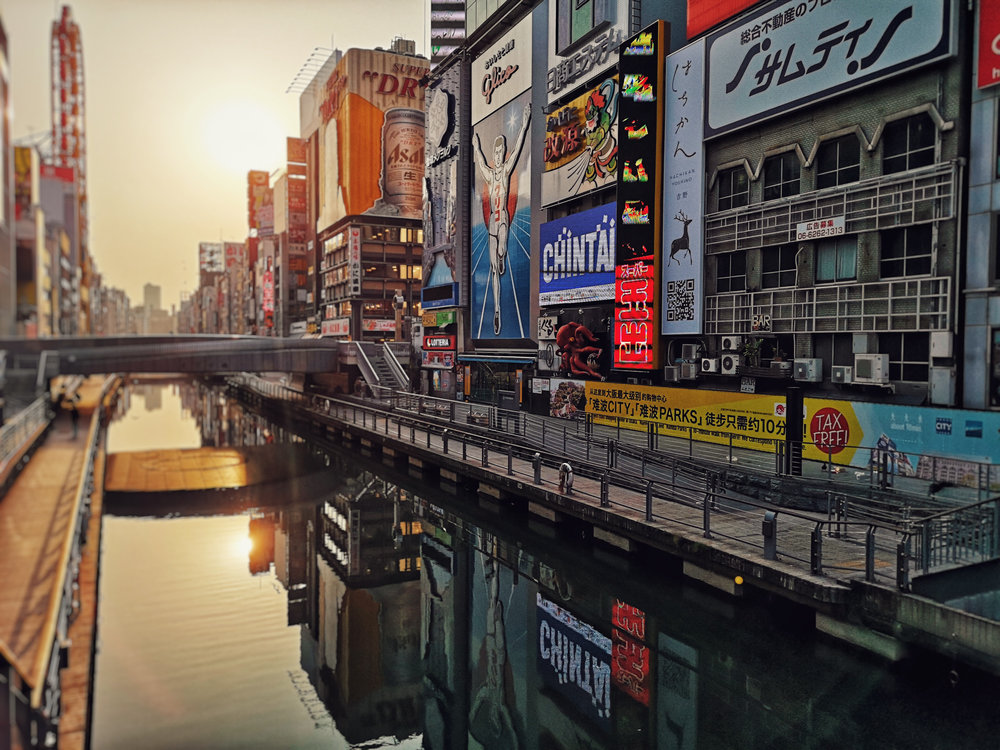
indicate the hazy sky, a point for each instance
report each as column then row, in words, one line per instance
column 183, row 98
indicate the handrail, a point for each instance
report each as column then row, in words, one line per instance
column 20, row 427
column 57, row 622
column 396, row 366
column 365, row 365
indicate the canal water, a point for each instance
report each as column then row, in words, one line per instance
column 358, row 607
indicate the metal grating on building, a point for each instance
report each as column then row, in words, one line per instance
column 918, row 304
column 912, row 197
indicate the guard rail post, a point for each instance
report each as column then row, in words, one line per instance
column 444, row 440
column 604, row 489
column 649, row 501
column 903, row 563
column 536, row 461
column 510, row 460
column 870, row 554
column 486, row 455
column 816, row 550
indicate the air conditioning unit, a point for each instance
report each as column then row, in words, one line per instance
column 690, row 352
column 871, row 368
column 842, row 374
column 809, row 370
column 671, row 374
column 732, row 343
column 689, row 370
column 710, row 364
column 730, row 363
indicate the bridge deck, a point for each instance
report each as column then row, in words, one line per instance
column 36, row 516
column 200, row 468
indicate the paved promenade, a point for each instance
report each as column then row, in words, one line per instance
column 36, row 521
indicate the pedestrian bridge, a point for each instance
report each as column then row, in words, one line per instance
column 181, row 354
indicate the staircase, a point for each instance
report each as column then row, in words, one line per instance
column 380, row 367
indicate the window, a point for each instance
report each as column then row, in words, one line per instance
column 781, row 175
column 909, row 355
column 734, row 188
column 906, row 252
column 838, row 162
column 731, row 275
column 836, row 259
column 908, row 144
column 778, row 266
column 575, row 19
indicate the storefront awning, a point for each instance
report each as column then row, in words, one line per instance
column 504, row 358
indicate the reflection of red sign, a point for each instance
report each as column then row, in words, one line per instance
column 829, row 430
column 989, row 44
column 439, row 342
column 629, row 655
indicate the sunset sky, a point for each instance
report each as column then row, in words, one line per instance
column 183, row 98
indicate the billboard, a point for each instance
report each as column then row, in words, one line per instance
column 234, row 253
column 502, row 72
column 581, row 144
column 257, row 194
column 791, row 54
column 704, row 14
column 577, row 262
column 211, row 257
column 574, row 660
column 446, row 204
column 22, row 181
column 683, row 196
column 989, row 45
column 596, row 52
column 640, row 162
column 372, row 137
column 500, row 249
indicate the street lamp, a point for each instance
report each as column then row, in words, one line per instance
column 398, row 303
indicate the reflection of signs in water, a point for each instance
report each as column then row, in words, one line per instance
column 490, row 719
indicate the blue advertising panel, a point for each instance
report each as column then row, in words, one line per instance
column 574, row 660
column 501, row 224
column 578, row 257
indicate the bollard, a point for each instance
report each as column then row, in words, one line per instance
column 428, row 429
column 769, row 528
column 486, row 455
column 413, row 432
column 465, row 446
column 816, row 551
column 510, row 460
column 444, row 440
column 649, row 501
column 605, row 502
column 536, row 461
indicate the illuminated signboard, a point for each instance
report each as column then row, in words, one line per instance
column 578, row 257
column 989, row 44
column 639, row 240
column 439, row 342
column 758, row 68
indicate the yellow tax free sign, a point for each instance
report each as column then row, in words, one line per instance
column 753, row 421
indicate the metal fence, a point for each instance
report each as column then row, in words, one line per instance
column 19, row 430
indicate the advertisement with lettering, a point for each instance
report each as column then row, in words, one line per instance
column 683, row 194
column 574, row 660
column 372, row 142
column 578, row 257
column 501, row 224
column 640, row 164
column 753, row 421
column 444, row 257
column 595, row 51
column 581, row 144
column 503, row 71
column 793, row 53
column 211, row 257
column 989, row 45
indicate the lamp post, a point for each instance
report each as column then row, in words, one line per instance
column 398, row 303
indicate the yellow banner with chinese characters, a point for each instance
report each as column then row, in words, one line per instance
column 753, row 421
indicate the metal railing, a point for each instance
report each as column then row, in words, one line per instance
column 970, row 534
column 19, row 430
column 398, row 371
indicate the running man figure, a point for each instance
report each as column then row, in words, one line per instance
column 498, row 184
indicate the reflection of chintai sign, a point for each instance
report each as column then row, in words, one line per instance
column 791, row 54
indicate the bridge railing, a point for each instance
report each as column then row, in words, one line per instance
column 17, row 434
column 969, row 534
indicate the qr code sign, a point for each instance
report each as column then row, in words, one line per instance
column 680, row 300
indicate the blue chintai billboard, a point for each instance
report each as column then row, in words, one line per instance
column 577, row 261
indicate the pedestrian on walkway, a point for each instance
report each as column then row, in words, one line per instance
column 74, row 416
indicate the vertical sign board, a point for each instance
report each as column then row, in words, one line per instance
column 500, row 217
column 683, row 194
column 640, row 150
column 989, row 44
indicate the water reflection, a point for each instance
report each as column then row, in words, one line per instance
column 358, row 606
